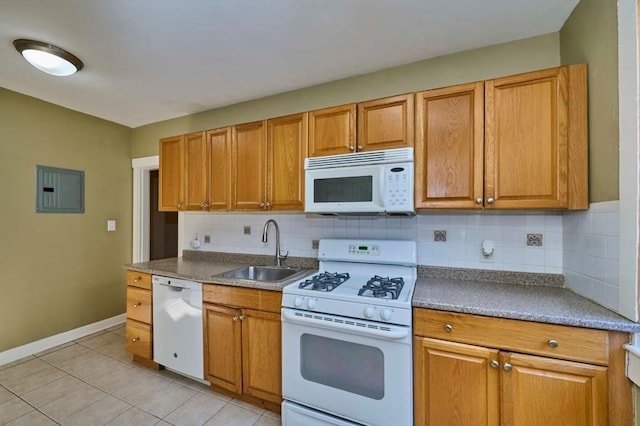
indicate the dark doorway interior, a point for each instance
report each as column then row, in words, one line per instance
column 163, row 225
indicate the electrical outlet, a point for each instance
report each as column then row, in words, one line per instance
column 534, row 240
column 247, row 230
column 207, row 239
column 314, row 244
column 440, row 236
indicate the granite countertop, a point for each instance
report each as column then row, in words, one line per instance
column 205, row 267
column 545, row 302
column 514, row 295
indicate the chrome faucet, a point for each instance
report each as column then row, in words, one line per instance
column 279, row 256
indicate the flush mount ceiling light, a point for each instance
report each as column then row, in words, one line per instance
column 48, row 58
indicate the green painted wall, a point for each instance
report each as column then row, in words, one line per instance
column 590, row 35
column 473, row 65
column 60, row 271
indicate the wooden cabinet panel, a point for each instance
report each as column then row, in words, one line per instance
column 139, row 279
column 332, row 130
column 449, row 148
column 171, row 180
column 286, row 150
column 550, row 392
column 139, row 339
column 248, row 155
column 261, row 355
column 219, row 168
column 223, row 346
column 386, row 123
column 573, row 343
column 526, row 140
column 263, row 300
column 195, row 166
column 139, row 304
column 455, row 384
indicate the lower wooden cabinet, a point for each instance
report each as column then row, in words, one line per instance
column 486, row 371
column 139, row 326
column 242, row 343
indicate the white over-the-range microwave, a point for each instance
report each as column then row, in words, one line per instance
column 364, row 183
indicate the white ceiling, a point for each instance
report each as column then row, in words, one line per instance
column 150, row 60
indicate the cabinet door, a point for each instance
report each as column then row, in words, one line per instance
column 526, row 140
column 195, row 165
column 222, row 346
column 386, row 123
column 219, row 166
column 286, row 150
column 261, row 355
column 248, row 153
column 455, row 384
column 549, row 392
column 332, row 130
column 449, row 147
column 171, row 182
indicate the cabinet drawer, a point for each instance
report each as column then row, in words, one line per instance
column 241, row 297
column 556, row 341
column 139, row 339
column 139, row 279
column 139, row 304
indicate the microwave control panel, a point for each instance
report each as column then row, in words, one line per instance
column 398, row 195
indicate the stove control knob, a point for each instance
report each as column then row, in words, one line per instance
column 297, row 302
column 385, row 314
column 311, row 303
column 368, row 312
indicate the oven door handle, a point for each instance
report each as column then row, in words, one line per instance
column 391, row 333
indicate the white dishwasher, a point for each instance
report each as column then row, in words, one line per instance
column 177, row 325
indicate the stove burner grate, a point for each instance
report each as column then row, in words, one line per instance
column 325, row 281
column 382, row 287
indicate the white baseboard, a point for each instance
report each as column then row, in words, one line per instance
column 14, row 354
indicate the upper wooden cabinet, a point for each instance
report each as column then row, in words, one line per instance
column 171, row 175
column 532, row 154
column 249, row 166
column 381, row 124
column 195, row 171
column 449, row 159
column 332, row 130
column 286, row 151
column 219, row 169
column 386, row 123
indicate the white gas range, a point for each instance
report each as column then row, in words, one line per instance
column 346, row 336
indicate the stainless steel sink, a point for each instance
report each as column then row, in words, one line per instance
column 261, row 273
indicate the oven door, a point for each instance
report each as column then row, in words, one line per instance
column 354, row 369
column 354, row 189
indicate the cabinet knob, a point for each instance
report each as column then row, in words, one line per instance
column 135, row 305
column 236, row 318
column 359, row 147
column 262, row 205
column 507, row 366
column 267, row 204
column 204, row 206
column 241, row 317
column 135, row 339
column 137, row 280
column 553, row 343
column 448, row 328
column 478, row 200
column 494, row 363
column 490, row 200
column 179, row 206
column 350, row 147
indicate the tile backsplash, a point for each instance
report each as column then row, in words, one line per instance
column 463, row 235
column 590, row 261
column 581, row 245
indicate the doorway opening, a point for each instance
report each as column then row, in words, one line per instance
column 163, row 226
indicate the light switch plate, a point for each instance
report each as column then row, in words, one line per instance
column 111, row 225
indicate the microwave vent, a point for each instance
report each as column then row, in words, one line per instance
column 401, row 155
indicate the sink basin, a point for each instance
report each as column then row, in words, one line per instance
column 261, row 273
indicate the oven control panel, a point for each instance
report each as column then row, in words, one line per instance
column 371, row 250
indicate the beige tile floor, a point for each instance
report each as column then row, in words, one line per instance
column 92, row 381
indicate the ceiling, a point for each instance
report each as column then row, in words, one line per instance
column 151, row 60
